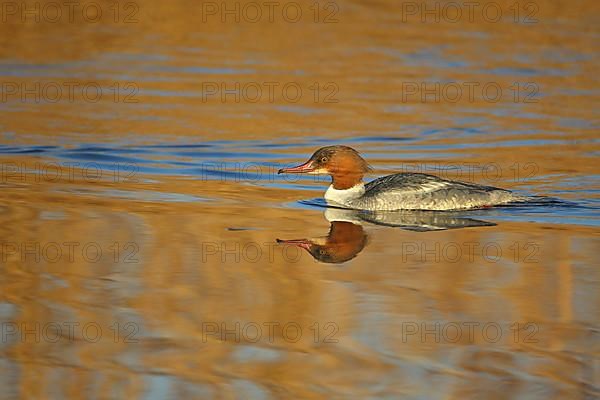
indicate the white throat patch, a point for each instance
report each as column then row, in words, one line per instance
column 344, row 196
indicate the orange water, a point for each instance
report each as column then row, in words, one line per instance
column 171, row 175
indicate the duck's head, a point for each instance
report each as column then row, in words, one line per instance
column 345, row 166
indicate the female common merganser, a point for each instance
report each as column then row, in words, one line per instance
column 403, row 191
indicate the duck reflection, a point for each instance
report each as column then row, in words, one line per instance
column 347, row 237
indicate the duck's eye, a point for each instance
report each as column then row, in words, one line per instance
column 321, row 252
column 323, row 159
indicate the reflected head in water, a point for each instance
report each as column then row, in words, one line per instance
column 344, row 241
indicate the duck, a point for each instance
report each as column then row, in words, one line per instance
column 400, row 191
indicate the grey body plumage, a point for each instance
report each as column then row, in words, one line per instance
column 415, row 191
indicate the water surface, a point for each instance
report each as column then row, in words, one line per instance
column 139, row 231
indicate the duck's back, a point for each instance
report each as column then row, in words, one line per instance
column 428, row 192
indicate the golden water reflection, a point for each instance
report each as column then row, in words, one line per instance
column 168, row 281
